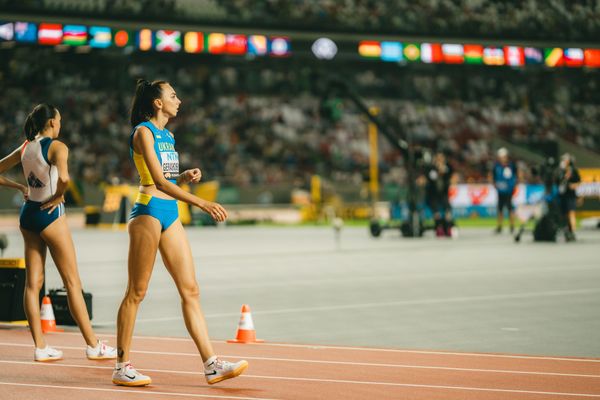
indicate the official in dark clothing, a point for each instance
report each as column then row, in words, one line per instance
column 438, row 176
column 568, row 180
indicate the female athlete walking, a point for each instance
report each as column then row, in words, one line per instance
column 154, row 225
column 43, row 225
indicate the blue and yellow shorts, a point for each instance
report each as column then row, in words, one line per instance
column 165, row 211
column 36, row 220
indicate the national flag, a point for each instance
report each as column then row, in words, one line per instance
column 74, row 35
column 514, row 56
column 592, row 57
column 257, row 45
column 145, row 39
column 100, row 37
column 280, row 46
column 193, row 42
column 412, row 52
column 431, row 53
column 7, row 31
column 216, row 43
column 168, row 41
column 493, row 56
column 391, row 51
column 50, row 34
column 533, row 56
column 122, row 38
column 554, row 57
column 25, row 32
column 453, row 53
column 573, row 57
column 236, row 44
column 473, row 54
column 368, row 48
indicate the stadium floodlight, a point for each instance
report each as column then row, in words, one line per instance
column 324, row 49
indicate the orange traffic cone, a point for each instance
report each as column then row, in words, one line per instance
column 47, row 316
column 246, row 332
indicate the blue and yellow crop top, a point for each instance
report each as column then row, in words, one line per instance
column 164, row 147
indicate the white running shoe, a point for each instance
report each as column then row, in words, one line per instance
column 101, row 352
column 47, row 354
column 220, row 370
column 128, row 376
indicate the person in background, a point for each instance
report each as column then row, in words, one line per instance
column 438, row 175
column 504, row 175
column 44, row 226
column 568, row 180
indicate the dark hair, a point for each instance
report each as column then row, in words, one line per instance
column 37, row 118
column 145, row 94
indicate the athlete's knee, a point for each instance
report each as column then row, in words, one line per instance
column 72, row 284
column 137, row 293
column 35, row 284
column 190, row 291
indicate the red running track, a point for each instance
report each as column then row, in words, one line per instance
column 285, row 371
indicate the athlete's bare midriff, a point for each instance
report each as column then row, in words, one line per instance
column 154, row 192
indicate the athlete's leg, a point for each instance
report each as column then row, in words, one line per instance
column 144, row 235
column 572, row 221
column 58, row 238
column 35, row 259
column 500, row 215
column 177, row 256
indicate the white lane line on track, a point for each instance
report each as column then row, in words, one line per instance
column 357, row 364
column 461, row 299
column 133, row 391
column 374, row 349
column 393, row 384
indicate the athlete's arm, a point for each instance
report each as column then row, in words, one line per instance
column 144, row 141
column 7, row 163
column 58, row 154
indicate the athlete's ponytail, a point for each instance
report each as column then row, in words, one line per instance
column 142, row 108
column 37, row 119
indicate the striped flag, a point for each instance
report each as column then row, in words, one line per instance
column 50, row 34
column 473, row 54
column 74, row 35
column 193, row 42
column 368, row 48
column 431, row 53
column 573, row 57
column 145, row 40
column 453, row 53
column 514, row 56
column 100, row 37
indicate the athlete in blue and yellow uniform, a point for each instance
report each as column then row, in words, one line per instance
column 165, row 210
column 43, row 225
column 154, row 225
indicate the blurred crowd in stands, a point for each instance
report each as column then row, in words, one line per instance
column 524, row 19
column 248, row 124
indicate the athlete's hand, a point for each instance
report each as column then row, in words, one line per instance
column 52, row 204
column 191, row 176
column 215, row 210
